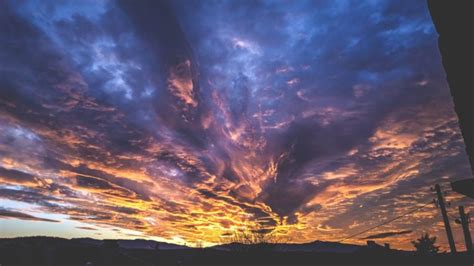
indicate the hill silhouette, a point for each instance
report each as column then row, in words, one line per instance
column 87, row 251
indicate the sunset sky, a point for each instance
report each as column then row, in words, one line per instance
column 188, row 121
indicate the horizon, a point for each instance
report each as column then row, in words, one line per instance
column 193, row 245
column 188, row 122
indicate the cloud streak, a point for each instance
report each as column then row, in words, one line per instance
column 7, row 214
column 388, row 234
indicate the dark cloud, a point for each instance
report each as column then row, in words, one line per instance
column 388, row 234
column 15, row 176
column 91, row 182
column 6, row 214
column 28, row 195
column 86, row 228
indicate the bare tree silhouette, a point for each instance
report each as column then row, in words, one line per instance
column 255, row 238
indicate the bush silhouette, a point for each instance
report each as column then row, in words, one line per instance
column 425, row 245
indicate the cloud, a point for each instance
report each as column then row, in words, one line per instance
column 7, row 214
column 388, row 234
column 14, row 176
column 86, row 228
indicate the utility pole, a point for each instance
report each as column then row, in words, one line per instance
column 442, row 206
column 465, row 229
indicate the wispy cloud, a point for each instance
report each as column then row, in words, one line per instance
column 8, row 214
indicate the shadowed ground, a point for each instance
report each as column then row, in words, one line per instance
column 58, row 251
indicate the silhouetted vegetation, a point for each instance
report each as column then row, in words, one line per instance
column 426, row 245
column 255, row 239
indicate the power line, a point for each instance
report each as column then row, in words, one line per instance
column 389, row 221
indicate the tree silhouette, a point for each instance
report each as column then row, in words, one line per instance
column 252, row 238
column 426, row 244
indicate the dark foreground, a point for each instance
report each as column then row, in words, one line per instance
column 52, row 251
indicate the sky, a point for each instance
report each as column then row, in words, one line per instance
column 188, row 121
